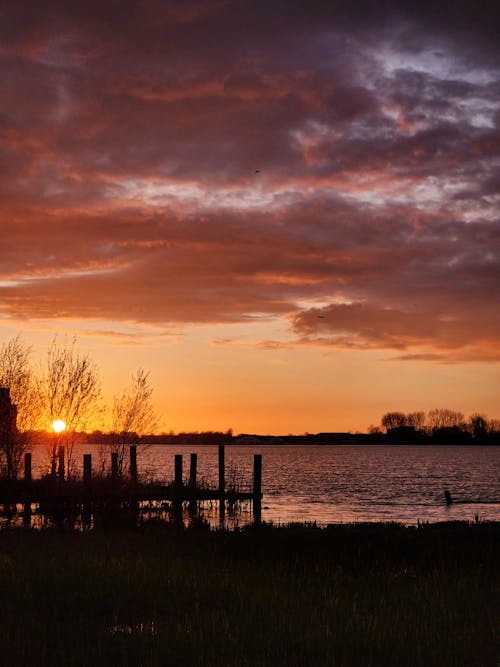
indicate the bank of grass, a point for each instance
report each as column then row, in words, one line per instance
column 347, row 595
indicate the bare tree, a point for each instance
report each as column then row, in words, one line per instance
column 479, row 425
column 70, row 391
column 417, row 420
column 133, row 415
column 17, row 376
column 445, row 418
column 394, row 420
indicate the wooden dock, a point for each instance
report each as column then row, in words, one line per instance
column 90, row 496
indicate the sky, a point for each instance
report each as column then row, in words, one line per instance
column 286, row 211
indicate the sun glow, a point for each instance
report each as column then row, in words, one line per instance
column 58, row 425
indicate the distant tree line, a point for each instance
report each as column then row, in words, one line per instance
column 440, row 425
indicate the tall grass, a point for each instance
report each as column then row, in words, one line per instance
column 347, row 595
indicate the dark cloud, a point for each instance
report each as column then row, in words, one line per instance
column 221, row 161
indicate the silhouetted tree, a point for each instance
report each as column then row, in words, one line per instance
column 478, row 426
column 17, row 376
column 417, row 420
column 394, row 420
column 133, row 415
column 70, row 391
column 445, row 418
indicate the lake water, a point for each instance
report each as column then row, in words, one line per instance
column 330, row 484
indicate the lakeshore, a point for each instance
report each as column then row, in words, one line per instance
column 299, row 595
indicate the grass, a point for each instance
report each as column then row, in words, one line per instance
column 299, row 596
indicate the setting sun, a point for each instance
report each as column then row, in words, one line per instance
column 58, row 425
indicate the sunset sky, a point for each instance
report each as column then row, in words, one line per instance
column 286, row 211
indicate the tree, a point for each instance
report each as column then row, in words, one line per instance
column 17, row 376
column 445, row 418
column 133, row 415
column 394, row 420
column 70, row 391
column 478, row 426
column 417, row 420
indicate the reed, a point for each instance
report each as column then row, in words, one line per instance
column 346, row 595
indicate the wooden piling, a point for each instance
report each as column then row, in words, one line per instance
column 133, row 463
column 87, row 472
column 87, row 489
column 178, row 470
column 222, row 484
column 60, row 463
column 114, row 465
column 257, row 487
column 53, row 462
column 27, row 500
column 192, row 470
column 27, row 467
column 222, row 478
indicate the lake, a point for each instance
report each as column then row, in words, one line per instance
column 348, row 483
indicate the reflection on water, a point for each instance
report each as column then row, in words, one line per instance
column 329, row 484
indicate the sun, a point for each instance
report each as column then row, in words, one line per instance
column 58, row 425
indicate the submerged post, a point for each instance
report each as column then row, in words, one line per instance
column 192, row 470
column 257, row 487
column 27, row 467
column 133, row 463
column 60, row 463
column 178, row 470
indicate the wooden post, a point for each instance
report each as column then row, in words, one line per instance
column 60, row 463
column 178, row 470
column 222, row 480
column 87, row 488
column 192, row 470
column 257, row 487
column 133, row 463
column 87, row 472
column 222, row 485
column 27, row 467
column 53, row 462
column 114, row 465
column 27, row 479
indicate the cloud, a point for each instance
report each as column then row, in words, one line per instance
column 192, row 162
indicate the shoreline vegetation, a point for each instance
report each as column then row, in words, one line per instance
column 345, row 595
column 393, row 436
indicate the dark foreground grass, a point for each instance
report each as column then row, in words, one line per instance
column 348, row 595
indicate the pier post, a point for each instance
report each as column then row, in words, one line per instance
column 27, row 467
column 222, row 479
column 257, row 487
column 222, row 484
column 87, row 472
column 27, row 499
column 60, row 463
column 133, row 463
column 178, row 470
column 87, row 487
column 114, row 465
column 192, row 470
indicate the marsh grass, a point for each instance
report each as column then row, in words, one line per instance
column 347, row 595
